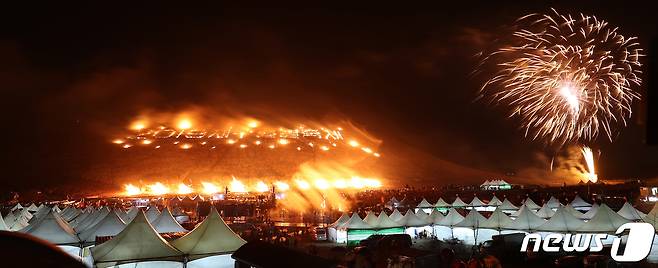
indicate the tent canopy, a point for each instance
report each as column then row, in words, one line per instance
column 562, row 221
column 53, row 229
column 629, row 212
column 605, row 220
column 165, row 223
column 110, row 225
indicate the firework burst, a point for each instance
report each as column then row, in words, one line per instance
column 566, row 79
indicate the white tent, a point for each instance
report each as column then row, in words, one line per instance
column 211, row 237
column 152, row 213
column 341, row 220
column 122, row 214
column 472, row 220
column 18, row 220
column 355, row 222
column 422, row 215
column 165, row 223
column 80, row 218
column 53, row 229
column 71, row 214
column 131, row 214
column 32, row 208
column 553, row 203
column 476, row 202
column 605, row 220
column 591, row 213
column 411, row 220
column 17, row 206
column 110, row 225
column 94, row 218
column 497, row 220
column 526, row 220
column 459, row 203
column 371, row 218
column 434, row 217
column 443, row 228
column 531, row 204
column 138, row 242
column 507, row 206
column 629, row 212
column 395, row 215
column 495, row 201
column 425, row 206
column 384, row 222
column 469, row 231
column 652, row 217
column 545, row 212
column 441, row 203
column 332, row 232
column 573, row 211
column 562, row 221
column 518, row 212
column 3, row 226
column 580, row 204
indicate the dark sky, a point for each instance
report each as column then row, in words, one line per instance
column 400, row 72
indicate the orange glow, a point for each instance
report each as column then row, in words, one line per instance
column 340, row 184
column 354, row 143
column 158, row 189
column 132, row 189
column 126, row 146
column 257, row 142
column 322, row 184
column 283, row 141
column 253, row 124
column 230, row 141
column 118, row 141
column 186, row 146
column 271, row 146
column 302, row 184
column 184, row 124
column 281, row 186
column 209, row 188
column 237, row 186
column 261, row 187
column 146, row 142
column 138, row 125
column 243, row 146
column 184, row 189
column 367, row 150
column 324, row 148
column 376, row 154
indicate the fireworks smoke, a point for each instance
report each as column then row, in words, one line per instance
column 567, row 79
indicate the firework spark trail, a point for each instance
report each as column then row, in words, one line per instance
column 589, row 159
column 567, row 79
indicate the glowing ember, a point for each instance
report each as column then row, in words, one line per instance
column 283, row 141
column 138, row 125
column 186, row 146
column 261, row 187
column 118, row 141
column 132, row 189
column 354, row 143
column 281, row 186
column 184, row 124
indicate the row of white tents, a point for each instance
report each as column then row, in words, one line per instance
column 474, row 227
column 138, row 243
column 553, row 203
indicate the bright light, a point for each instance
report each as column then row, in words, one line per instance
column 589, row 159
column 126, row 146
column 281, row 186
column 322, row 184
column 184, row 189
column 570, row 94
column 257, row 142
column 237, row 186
column 261, row 187
column 271, row 146
column 367, row 150
column 158, row 189
column 252, row 124
column 324, row 148
column 283, row 141
column 354, row 143
column 230, row 141
column 209, row 188
column 132, row 189
column 302, row 184
column 376, row 154
column 138, row 125
column 146, row 142
column 118, row 141
column 186, row 146
column 243, row 146
column 184, row 124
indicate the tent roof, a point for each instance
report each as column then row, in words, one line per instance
column 526, row 220
column 518, row 211
column 3, row 226
column 17, row 206
column 165, row 223
column 629, row 212
column 152, row 213
column 211, row 237
column 451, row 219
column 355, row 222
column 131, row 214
column 531, row 204
column 435, row 217
column 459, row 203
column 652, row 216
column 545, row 212
column 395, row 215
column 137, row 242
column 32, row 207
column 507, row 205
column 591, row 212
column 579, row 202
column 495, row 201
column 476, row 202
column 371, row 218
column 92, row 220
column 573, row 211
column 411, row 220
column 497, row 220
column 383, row 222
column 343, row 219
column 424, row 204
column 53, row 229
column 605, row 220
column 562, row 221
column 110, row 225
column 553, row 202
column 473, row 219
column 441, row 203
column 393, row 200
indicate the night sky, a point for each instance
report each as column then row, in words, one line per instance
column 401, row 73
